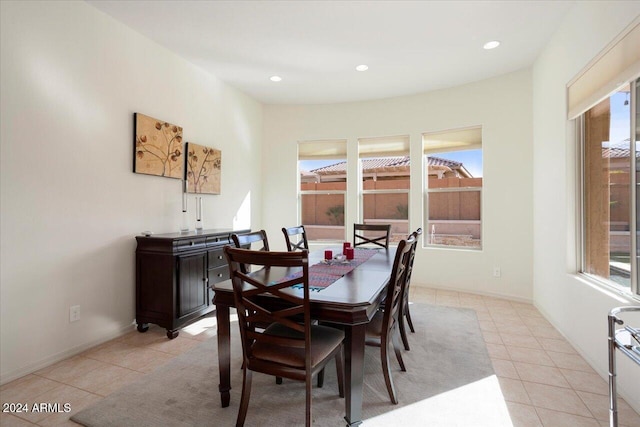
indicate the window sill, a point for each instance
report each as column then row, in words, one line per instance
column 607, row 288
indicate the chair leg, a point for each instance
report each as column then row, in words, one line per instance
column 403, row 334
column 244, row 399
column 321, row 378
column 278, row 380
column 386, row 371
column 340, row 371
column 407, row 313
column 307, row 421
column 396, row 348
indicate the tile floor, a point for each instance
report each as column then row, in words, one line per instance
column 543, row 380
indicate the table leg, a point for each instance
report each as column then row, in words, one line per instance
column 354, row 373
column 224, row 353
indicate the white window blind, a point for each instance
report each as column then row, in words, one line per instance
column 386, row 146
column 322, row 149
column 617, row 64
column 453, row 140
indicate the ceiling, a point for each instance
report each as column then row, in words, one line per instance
column 409, row 46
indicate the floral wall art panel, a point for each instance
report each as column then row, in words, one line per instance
column 204, row 166
column 158, row 148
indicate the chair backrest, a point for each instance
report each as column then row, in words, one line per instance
column 395, row 287
column 377, row 234
column 416, row 235
column 302, row 242
column 246, row 240
column 272, row 279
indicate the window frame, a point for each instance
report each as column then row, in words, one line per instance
column 581, row 218
column 426, row 153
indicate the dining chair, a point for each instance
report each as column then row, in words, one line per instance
column 382, row 330
column 248, row 240
column 405, row 314
column 376, row 234
column 290, row 346
column 302, row 242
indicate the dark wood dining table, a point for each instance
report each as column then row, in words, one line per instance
column 351, row 301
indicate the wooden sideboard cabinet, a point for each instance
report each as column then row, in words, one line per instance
column 174, row 273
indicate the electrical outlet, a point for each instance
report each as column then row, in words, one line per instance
column 74, row 313
column 497, row 272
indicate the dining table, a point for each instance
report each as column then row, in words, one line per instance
column 351, row 301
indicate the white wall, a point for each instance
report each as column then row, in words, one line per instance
column 501, row 105
column 577, row 308
column 71, row 79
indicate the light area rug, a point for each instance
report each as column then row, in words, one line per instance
column 449, row 382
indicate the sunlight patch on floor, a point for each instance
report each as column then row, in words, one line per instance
column 206, row 324
column 479, row 404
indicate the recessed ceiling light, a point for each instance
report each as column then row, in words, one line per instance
column 275, row 78
column 491, row 45
column 362, row 67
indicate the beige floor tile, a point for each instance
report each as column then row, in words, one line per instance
column 497, row 351
column 26, row 388
column 556, row 398
column 100, row 378
column 138, row 339
column 491, row 337
column 586, row 381
column 523, row 415
column 144, row 359
column 513, row 328
column 68, row 369
column 561, row 419
column 505, row 368
column 9, row 420
column 599, row 406
column 536, row 322
column 110, row 352
column 514, row 391
column 529, row 313
column 487, row 325
column 560, row 346
column 447, row 301
column 541, row 374
column 518, row 340
column 570, row 361
column 529, row 355
column 504, row 314
column 447, row 293
column 483, row 315
column 496, row 302
column 544, row 332
column 175, row 346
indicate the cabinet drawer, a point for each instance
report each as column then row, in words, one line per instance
column 218, row 240
column 218, row 274
column 185, row 245
column 217, row 258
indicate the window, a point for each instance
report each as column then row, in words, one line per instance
column 610, row 196
column 453, row 199
column 322, row 167
column 384, row 170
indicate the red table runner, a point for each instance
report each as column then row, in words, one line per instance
column 325, row 273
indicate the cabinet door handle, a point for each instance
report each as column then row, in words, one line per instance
column 191, row 243
column 205, row 280
column 219, row 256
column 219, row 274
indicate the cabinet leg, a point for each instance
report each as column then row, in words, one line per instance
column 171, row 334
column 143, row 327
